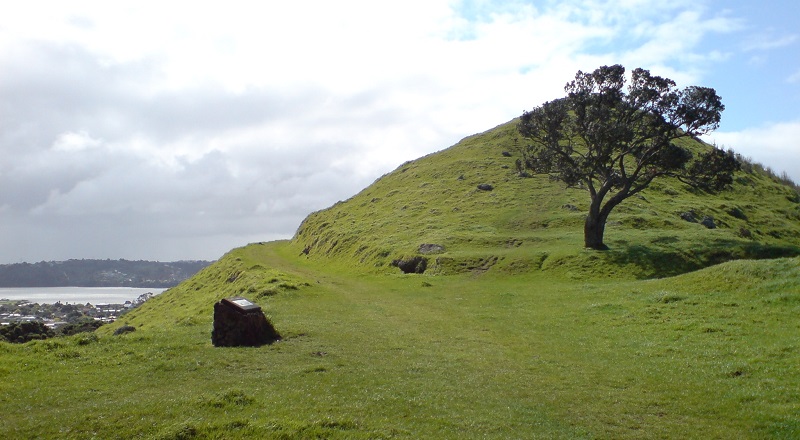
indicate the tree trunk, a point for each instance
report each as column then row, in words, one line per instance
column 593, row 230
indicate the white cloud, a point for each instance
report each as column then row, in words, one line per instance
column 190, row 123
column 769, row 42
column 71, row 141
column 776, row 145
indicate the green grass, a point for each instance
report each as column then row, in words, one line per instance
column 712, row 354
column 514, row 331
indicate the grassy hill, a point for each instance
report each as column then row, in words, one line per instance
column 513, row 331
column 525, row 224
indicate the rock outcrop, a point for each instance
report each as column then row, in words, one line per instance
column 238, row 322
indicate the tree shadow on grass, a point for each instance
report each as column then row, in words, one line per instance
column 664, row 257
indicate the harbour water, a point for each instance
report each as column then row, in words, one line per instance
column 76, row 295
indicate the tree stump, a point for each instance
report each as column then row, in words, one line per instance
column 238, row 322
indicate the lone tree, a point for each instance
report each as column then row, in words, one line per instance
column 614, row 144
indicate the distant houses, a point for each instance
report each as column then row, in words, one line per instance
column 8, row 318
column 57, row 315
column 110, row 312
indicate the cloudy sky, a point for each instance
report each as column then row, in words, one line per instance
column 178, row 130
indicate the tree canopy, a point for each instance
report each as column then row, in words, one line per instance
column 614, row 142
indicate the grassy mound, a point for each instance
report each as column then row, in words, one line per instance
column 524, row 224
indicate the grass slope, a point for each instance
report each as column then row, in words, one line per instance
column 513, row 332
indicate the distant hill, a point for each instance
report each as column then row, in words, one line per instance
column 98, row 273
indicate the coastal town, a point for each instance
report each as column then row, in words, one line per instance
column 60, row 314
column 22, row 320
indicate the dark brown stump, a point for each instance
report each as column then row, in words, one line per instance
column 238, row 322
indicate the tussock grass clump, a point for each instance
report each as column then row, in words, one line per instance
column 232, row 398
column 668, row 297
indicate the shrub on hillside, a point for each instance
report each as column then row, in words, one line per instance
column 82, row 326
column 21, row 332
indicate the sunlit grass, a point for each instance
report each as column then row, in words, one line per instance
column 712, row 354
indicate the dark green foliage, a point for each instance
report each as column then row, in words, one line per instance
column 614, row 144
column 21, row 332
column 713, row 171
column 82, row 326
